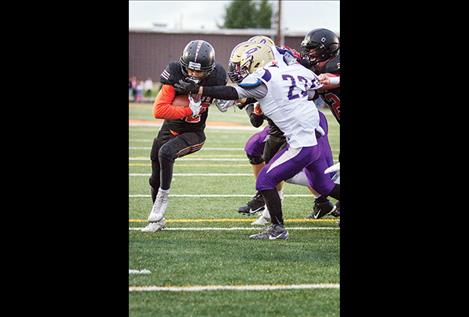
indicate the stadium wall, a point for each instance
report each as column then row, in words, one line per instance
column 151, row 51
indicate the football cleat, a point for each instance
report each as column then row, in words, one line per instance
column 273, row 232
column 256, row 205
column 155, row 226
column 321, row 208
column 159, row 207
column 263, row 219
column 336, row 212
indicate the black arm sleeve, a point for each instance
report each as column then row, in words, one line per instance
column 221, row 92
column 256, row 120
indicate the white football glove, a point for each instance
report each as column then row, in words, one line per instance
column 333, row 168
column 223, row 105
column 195, row 105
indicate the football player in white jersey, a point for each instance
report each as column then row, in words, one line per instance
column 282, row 92
column 275, row 140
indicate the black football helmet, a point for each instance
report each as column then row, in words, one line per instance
column 198, row 55
column 320, row 45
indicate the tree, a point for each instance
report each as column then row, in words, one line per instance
column 264, row 15
column 242, row 14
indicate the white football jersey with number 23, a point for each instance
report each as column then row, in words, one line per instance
column 286, row 102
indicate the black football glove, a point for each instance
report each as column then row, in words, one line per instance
column 184, row 87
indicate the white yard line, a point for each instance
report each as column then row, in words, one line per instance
column 213, row 195
column 195, row 165
column 198, row 288
column 193, row 159
column 234, row 228
column 196, row 174
column 194, row 220
column 208, row 127
column 203, row 149
column 144, row 271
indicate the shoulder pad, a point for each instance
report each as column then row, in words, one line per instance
column 171, row 74
column 216, row 78
column 333, row 66
column 251, row 81
column 220, row 71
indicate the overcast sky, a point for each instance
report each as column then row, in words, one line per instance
column 300, row 16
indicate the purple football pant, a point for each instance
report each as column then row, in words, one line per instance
column 305, row 179
column 326, row 147
column 289, row 161
column 255, row 144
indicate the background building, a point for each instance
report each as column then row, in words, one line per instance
column 150, row 50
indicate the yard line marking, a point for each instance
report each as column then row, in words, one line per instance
column 212, row 195
column 208, row 127
column 191, row 220
column 196, row 174
column 144, row 271
column 143, row 140
column 146, row 130
column 193, row 159
column 197, row 288
column 205, row 158
column 194, row 165
column 234, row 228
column 203, row 149
column 199, row 155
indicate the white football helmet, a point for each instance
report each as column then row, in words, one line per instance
column 246, row 58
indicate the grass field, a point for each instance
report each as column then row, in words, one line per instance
column 206, row 241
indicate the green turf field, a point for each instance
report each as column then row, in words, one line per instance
column 206, row 241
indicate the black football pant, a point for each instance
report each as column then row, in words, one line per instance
column 272, row 146
column 166, row 148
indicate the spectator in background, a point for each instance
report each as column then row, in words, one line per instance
column 134, row 88
column 139, row 92
column 130, row 88
column 148, row 86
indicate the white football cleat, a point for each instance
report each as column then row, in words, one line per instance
column 155, row 226
column 159, row 207
column 263, row 219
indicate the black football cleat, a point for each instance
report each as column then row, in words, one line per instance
column 257, row 204
column 321, row 208
column 336, row 212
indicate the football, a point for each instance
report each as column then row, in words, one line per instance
column 181, row 101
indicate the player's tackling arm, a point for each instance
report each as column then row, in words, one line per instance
column 250, row 87
column 233, row 93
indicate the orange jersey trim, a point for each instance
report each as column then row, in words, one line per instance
column 163, row 108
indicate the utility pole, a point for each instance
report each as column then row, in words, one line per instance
column 279, row 37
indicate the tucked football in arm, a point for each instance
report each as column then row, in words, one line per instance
column 181, row 101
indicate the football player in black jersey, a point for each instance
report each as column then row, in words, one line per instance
column 321, row 53
column 182, row 132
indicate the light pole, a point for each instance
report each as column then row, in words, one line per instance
column 279, row 36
